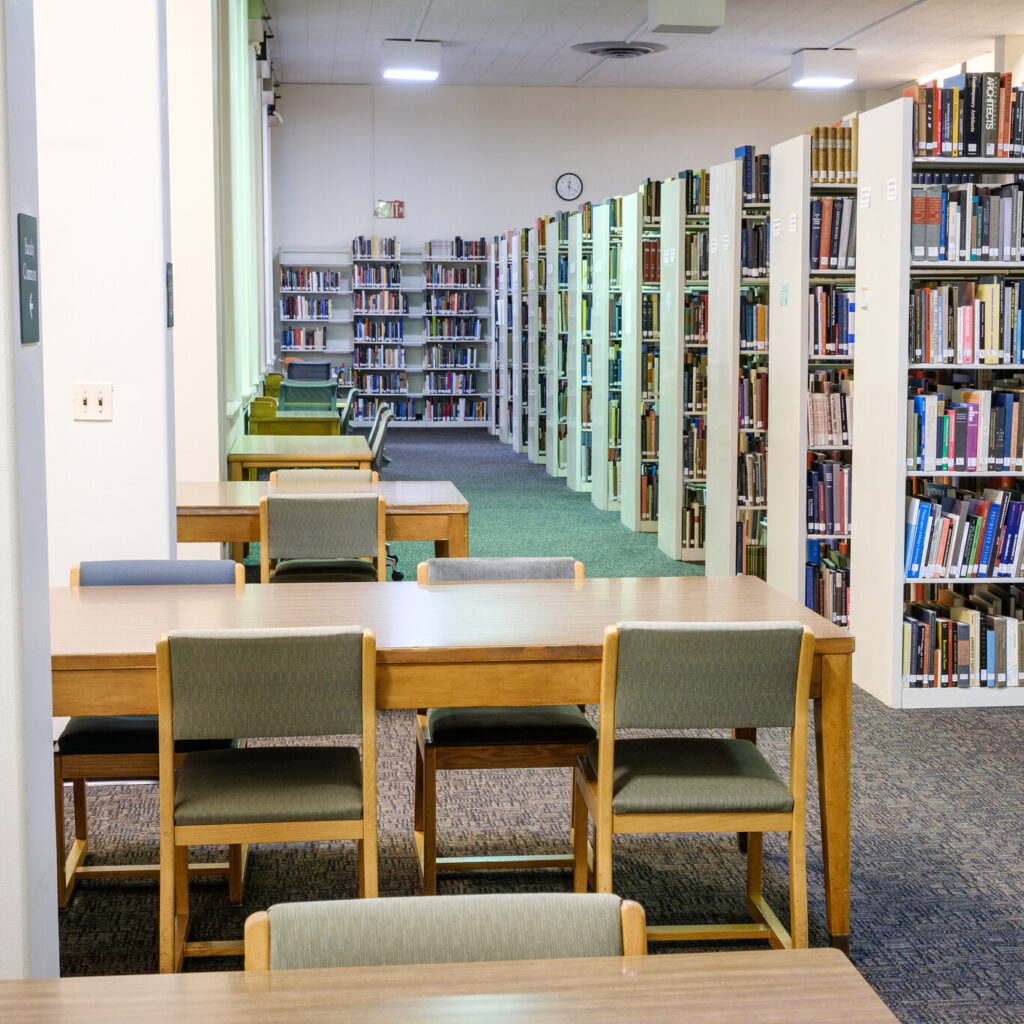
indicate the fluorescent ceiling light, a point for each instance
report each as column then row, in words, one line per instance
column 822, row 69
column 411, row 61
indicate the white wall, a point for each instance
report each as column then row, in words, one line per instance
column 104, row 245
column 475, row 161
column 29, row 947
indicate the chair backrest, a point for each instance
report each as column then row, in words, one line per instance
column 316, row 395
column 708, row 675
column 141, row 572
column 266, row 682
column 377, row 439
column 454, row 570
column 310, row 369
column 321, row 526
column 443, row 929
column 384, row 412
column 345, row 413
column 290, row 477
column 261, row 408
column 272, row 384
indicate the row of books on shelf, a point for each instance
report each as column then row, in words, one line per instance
column 967, row 322
column 302, row 279
column 695, row 319
column 650, row 372
column 754, row 236
column 755, row 174
column 614, row 423
column 957, row 430
column 697, row 192
column 829, row 497
column 456, row 410
column 613, row 478
column 976, row 114
column 830, row 408
column 586, row 456
column 379, row 356
column 377, row 330
column 365, row 408
column 445, row 276
column 650, row 260
column 959, row 534
column 695, row 449
column 967, row 223
column 834, row 153
column 833, row 233
column 697, row 253
column 388, row 275
column 753, row 398
column 695, row 382
column 752, row 477
column 380, row 302
column 449, row 357
column 650, row 316
column 827, row 581
column 831, row 321
column 752, row 543
column 456, row 248
column 383, row 383
column 650, row 201
column 313, row 339
column 753, row 323
column 649, row 432
column 374, row 248
column 648, row 492
column 449, row 383
column 301, row 307
column 693, row 521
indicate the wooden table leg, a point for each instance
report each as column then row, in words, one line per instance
column 442, row 548
column 458, row 536
column 235, row 469
column 832, row 728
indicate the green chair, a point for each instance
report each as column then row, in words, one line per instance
column 322, row 538
column 385, row 414
column 307, row 395
column 275, row 683
column 345, row 413
column 444, row 930
column 272, row 384
column 459, row 739
column 660, row 676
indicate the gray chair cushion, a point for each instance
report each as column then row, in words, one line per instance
column 122, row 734
column 452, row 570
column 444, row 929
column 670, row 775
column 151, row 572
column 462, row 727
column 324, row 570
column 259, row 784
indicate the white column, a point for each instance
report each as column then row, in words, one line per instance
column 105, row 246
column 1009, row 56
column 29, row 947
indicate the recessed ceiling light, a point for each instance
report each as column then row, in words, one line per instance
column 411, row 61
column 822, row 69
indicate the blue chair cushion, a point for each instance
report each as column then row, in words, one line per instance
column 465, row 727
column 122, row 734
column 324, row 570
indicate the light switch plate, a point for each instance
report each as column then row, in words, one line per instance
column 93, row 402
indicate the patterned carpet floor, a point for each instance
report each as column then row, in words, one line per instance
column 937, row 899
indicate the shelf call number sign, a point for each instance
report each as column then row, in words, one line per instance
column 28, row 277
column 392, row 208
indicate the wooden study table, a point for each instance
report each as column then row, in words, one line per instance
column 252, row 452
column 229, row 512
column 800, row 986
column 291, row 422
column 453, row 645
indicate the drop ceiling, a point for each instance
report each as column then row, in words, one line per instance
column 528, row 42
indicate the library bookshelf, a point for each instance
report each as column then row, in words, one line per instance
column 886, row 278
column 641, row 233
column 516, row 364
column 503, row 335
column 536, row 342
column 579, row 361
column 795, row 357
column 682, row 357
column 557, row 273
column 606, row 332
column 737, row 359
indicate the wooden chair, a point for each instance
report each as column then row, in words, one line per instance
column 670, row 676
column 292, row 479
column 453, row 739
column 319, row 538
column 125, row 746
column 444, row 930
column 272, row 384
column 267, row 683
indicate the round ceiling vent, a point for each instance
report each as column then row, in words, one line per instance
column 618, row 50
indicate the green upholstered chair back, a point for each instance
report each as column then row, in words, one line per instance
column 272, row 384
column 296, row 395
column 262, row 409
column 266, row 682
column 290, row 477
column 444, row 929
column 322, row 525
column 345, row 413
column 451, row 570
column 674, row 675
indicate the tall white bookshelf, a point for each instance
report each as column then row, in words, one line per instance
column 557, row 343
column 606, row 409
column 730, row 354
column 503, row 332
column 885, row 276
column 580, row 352
column 683, row 357
column 494, row 266
column 516, row 345
column 537, row 329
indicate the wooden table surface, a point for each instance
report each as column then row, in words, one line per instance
column 804, row 986
column 281, row 450
column 453, row 645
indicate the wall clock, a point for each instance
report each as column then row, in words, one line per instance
column 568, row 186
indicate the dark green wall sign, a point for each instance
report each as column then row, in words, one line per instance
column 28, row 277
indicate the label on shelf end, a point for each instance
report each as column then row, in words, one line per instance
column 865, row 196
column 784, row 294
column 890, row 190
column 792, row 223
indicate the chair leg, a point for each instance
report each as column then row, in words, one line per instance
column 63, row 884
column 579, row 839
column 754, row 869
column 798, row 887
column 603, row 851
column 238, row 862
column 168, row 903
column 368, row 885
column 429, row 801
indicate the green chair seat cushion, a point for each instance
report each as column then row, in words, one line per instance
column 464, row 727
column 122, row 734
column 257, row 784
column 324, row 570
column 692, row 775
